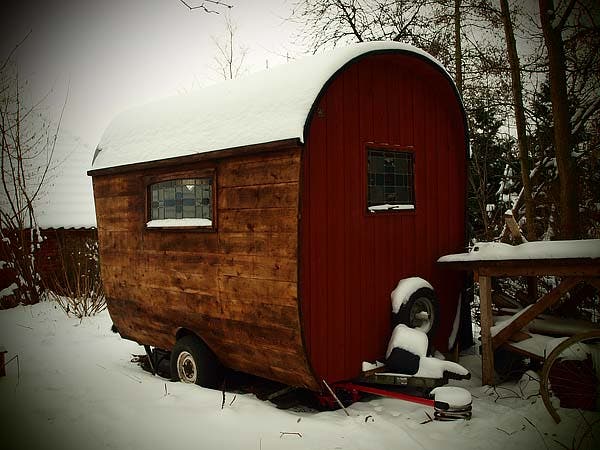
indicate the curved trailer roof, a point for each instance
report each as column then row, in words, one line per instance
column 267, row 106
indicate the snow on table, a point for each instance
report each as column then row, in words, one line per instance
column 497, row 251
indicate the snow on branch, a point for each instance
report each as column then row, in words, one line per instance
column 581, row 116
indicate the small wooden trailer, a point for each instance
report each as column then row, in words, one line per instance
column 263, row 222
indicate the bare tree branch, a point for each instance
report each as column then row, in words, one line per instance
column 27, row 149
column 205, row 8
column 230, row 57
column 12, row 52
column 566, row 14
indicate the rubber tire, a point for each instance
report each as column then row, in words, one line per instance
column 209, row 369
column 403, row 316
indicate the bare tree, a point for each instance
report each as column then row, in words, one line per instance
column 520, row 121
column 27, row 148
column 571, row 35
column 458, row 76
column 330, row 22
column 552, row 24
column 208, row 6
column 230, row 56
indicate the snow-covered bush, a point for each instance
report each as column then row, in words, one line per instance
column 20, row 283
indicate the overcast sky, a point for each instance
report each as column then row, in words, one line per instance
column 116, row 54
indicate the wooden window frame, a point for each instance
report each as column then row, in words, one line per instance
column 149, row 180
column 388, row 148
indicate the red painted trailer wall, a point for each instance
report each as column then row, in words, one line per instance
column 350, row 259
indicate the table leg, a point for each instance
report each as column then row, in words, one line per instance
column 487, row 351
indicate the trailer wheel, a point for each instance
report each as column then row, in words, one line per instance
column 421, row 311
column 193, row 362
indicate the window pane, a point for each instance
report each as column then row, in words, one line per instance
column 389, row 177
column 182, row 198
column 189, row 211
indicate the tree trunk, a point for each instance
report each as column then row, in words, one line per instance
column 458, row 47
column 569, row 198
column 515, row 74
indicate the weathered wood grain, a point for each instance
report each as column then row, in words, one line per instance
column 256, row 312
column 266, row 362
column 248, row 172
column 262, row 267
column 273, row 244
column 276, row 220
column 283, row 195
column 165, row 300
column 111, row 240
column 181, row 261
column 120, row 206
column 269, row 338
column 180, row 241
column 257, row 349
column 117, row 185
column 269, row 291
column 487, row 358
column 235, row 287
column 122, row 213
column 201, row 282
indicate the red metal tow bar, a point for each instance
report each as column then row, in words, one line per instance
column 385, row 393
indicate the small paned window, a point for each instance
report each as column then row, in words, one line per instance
column 182, row 202
column 390, row 180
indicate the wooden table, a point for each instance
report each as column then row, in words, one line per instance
column 571, row 270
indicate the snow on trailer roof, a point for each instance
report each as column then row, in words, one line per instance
column 267, row 106
column 547, row 250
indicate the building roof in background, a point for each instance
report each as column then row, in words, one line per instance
column 67, row 200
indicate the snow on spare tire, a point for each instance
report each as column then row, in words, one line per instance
column 415, row 304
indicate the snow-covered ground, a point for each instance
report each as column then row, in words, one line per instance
column 77, row 389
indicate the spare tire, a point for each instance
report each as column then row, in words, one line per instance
column 421, row 311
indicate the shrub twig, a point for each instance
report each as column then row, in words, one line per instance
column 77, row 288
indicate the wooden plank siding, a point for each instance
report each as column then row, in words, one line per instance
column 352, row 259
column 236, row 287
